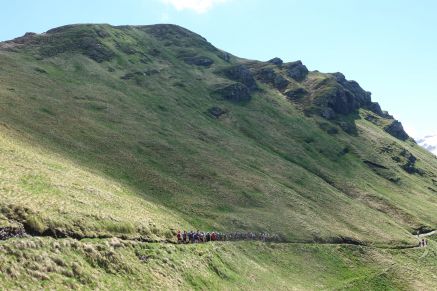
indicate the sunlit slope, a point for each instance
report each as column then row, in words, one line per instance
column 50, row 195
column 137, row 108
column 46, row 263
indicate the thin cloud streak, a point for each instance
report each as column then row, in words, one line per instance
column 198, row 6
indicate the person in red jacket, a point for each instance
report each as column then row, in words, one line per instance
column 179, row 236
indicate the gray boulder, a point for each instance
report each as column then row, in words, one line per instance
column 236, row 92
column 280, row 82
column 397, row 130
column 241, row 74
column 339, row 100
column 296, row 70
column 276, row 61
column 216, row 111
column 268, row 75
column 362, row 96
column 375, row 108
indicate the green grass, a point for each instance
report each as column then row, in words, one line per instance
column 87, row 153
column 113, row 264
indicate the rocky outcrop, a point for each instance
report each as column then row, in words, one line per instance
column 95, row 50
column 344, row 97
column 296, row 70
column 341, row 101
column 199, row 61
column 216, row 111
column 225, row 56
column 236, row 92
column 328, row 113
column 362, row 97
column 268, row 75
column 376, row 108
column 11, row 232
column 276, row 61
column 243, row 75
column 397, row 130
column 410, row 165
column 89, row 45
column 296, row 94
column 280, row 82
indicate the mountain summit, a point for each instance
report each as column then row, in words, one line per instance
column 115, row 137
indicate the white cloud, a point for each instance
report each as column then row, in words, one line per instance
column 199, row 6
column 429, row 142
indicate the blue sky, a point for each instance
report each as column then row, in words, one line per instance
column 389, row 46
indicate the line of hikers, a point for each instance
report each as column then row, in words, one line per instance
column 202, row 237
column 423, row 243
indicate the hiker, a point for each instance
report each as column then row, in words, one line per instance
column 179, row 236
column 184, row 237
column 423, row 242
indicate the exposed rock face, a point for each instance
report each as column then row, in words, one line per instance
column 268, row 75
column 296, row 94
column 199, row 61
column 225, row 56
column 236, row 92
column 346, row 97
column 276, row 61
column 216, row 111
column 410, row 165
column 328, row 113
column 95, row 50
column 242, row 74
column 280, row 82
column 340, row 100
column 397, row 130
column 363, row 97
column 89, row 45
column 11, row 232
column 296, row 70
column 27, row 37
column 376, row 108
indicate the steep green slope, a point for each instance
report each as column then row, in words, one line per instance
column 135, row 132
column 50, row 195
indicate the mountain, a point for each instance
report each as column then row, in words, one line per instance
column 429, row 143
column 114, row 137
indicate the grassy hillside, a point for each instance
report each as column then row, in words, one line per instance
column 135, row 132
